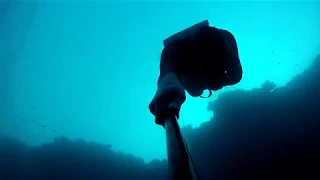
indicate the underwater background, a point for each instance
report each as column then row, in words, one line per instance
column 76, row 78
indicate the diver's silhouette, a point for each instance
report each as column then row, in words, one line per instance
column 198, row 58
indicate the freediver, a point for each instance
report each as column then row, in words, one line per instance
column 198, row 58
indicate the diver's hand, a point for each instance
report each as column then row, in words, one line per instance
column 168, row 98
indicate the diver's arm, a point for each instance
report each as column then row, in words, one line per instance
column 168, row 85
column 234, row 75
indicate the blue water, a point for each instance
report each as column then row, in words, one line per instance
column 89, row 69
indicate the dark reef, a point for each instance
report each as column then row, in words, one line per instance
column 264, row 133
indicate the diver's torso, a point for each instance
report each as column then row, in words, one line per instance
column 204, row 58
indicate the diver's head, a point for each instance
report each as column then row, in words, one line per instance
column 194, row 86
column 195, row 92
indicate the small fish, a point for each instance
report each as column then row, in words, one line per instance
column 34, row 121
column 54, row 130
column 44, row 126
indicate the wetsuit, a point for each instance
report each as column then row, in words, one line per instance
column 207, row 60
